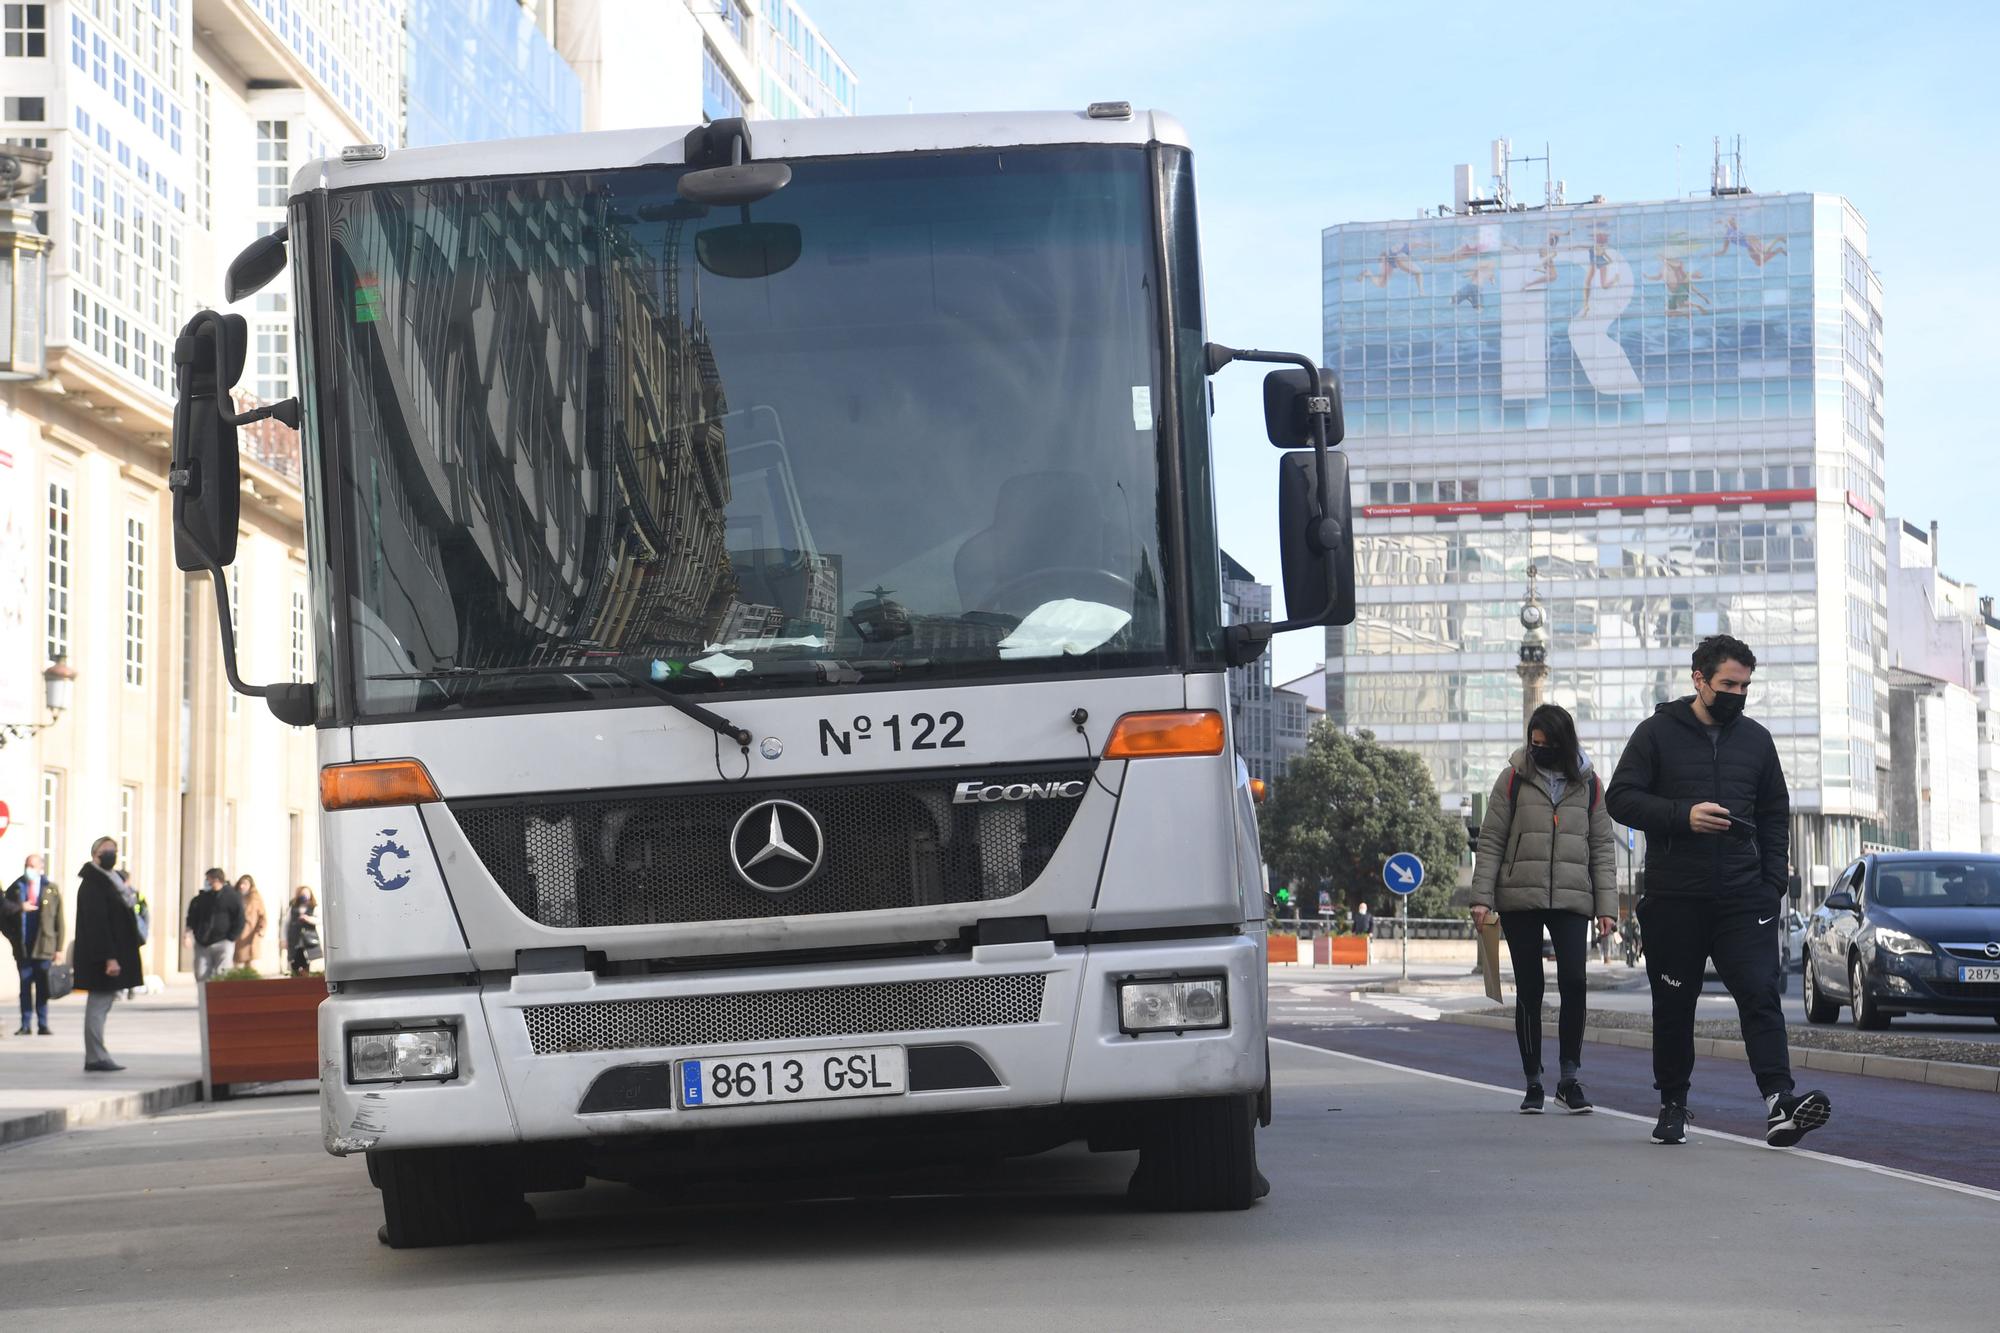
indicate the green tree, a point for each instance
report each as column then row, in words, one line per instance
column 1345, row 806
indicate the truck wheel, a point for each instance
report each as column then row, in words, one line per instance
column 1200, row 1156
column 446, row 1196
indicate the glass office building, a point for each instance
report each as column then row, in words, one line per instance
column 483, row 69
column 1673, row 411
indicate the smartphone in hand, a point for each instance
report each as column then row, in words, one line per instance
column 1740, row 827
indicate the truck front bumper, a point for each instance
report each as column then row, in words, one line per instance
column 1043, row 1021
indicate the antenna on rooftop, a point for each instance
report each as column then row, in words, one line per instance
column 1726, row 176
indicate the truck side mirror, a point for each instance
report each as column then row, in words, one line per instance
column 1311, row 528
column 206, row 474
column 206, row 477
column 256, row 264
column 1288, row 410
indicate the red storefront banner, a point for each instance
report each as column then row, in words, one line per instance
column 1571, row 506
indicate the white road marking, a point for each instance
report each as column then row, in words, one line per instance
column 1397, row 1004
column 1956, row 1187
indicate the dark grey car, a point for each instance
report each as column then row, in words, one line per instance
column 1906, row 933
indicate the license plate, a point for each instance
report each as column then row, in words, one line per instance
column 1979, row 974
column 802, row 1076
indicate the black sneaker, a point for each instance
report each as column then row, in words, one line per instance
column 1673, row 1125
column 22, row 1030
column 1794, row 1116
column 1532, row 1103
column 46, row 1031
column 1569, row 1096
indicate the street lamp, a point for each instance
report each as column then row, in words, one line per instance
column 56, row 683
column 24, row 267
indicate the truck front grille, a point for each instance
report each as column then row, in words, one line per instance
column 664, row 857
column 675, row 1021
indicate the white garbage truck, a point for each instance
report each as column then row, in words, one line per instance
column 768, row 661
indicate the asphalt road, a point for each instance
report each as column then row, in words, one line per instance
column 1943, row 1132
column 1400, row 1199
column 1715, row 1003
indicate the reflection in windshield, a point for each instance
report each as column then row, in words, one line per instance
column 928, row 448
column 1906, row 884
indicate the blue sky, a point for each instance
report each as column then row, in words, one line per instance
column 1307, row 114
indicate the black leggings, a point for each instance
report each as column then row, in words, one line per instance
column 1524, row 945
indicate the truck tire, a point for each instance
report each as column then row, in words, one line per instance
column 446, row 1196
column 1200, row 1156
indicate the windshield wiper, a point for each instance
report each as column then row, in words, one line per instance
column 714, row 721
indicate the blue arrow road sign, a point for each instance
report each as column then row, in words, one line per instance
column 1403, row 873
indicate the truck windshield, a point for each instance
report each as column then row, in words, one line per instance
column 574, row 461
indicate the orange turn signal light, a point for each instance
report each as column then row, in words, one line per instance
column 378, row 782
column 1164, row 735
column 1258, row 791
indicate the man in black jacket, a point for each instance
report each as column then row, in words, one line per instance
column 214, row 919
column 1704, row 784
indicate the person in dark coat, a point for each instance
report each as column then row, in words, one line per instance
column 106, row 953
column 1704, row 784
column 31, row 912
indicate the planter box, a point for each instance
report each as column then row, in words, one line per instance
column 263, row 1031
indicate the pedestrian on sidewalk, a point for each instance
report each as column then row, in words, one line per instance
column 251, row 937
column 302, row 931
column 106, row 956
column 1363, row 924
column 1705, row 785
column 31, row 912
column 214, row 920
column 1546, row 862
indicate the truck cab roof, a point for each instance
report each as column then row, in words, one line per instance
column 833, row 136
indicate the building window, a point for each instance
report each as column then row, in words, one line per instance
column 135, row 602
column 26, row 30
column 204, row 165
column 273, row 158
column 56, row 604
column 298, row 635
column 128, row 820
column 51, row 813
column 721, row 95
column 274, row 362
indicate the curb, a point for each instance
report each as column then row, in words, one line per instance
column 105, row 1110
column 1941, row 1073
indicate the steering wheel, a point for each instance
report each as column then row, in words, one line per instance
column 1124, row 595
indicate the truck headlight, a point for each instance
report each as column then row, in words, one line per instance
column 409, row 1055
column 1170, row 1006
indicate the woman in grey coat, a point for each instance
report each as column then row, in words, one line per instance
column 1547, row 862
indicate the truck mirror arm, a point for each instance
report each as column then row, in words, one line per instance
column 1245, row 642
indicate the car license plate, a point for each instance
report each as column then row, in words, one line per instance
column 1979, row 974
column 800, row 1076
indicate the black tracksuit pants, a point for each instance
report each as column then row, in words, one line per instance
column 1524, row 945
column 1740, row 933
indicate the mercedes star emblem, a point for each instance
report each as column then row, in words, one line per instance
column 776, row 846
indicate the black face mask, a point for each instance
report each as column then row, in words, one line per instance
column 107, row 859
column 1546, row 757
column 1726, row 708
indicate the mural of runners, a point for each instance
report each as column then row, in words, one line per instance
column 1761, row 252
column 1684, row 299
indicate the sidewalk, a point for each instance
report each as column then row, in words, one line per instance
column 43, row 1089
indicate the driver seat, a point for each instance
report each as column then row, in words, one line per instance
column 1041, row 520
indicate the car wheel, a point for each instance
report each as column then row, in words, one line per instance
column 1819, row 1009
column 1866, row 1016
